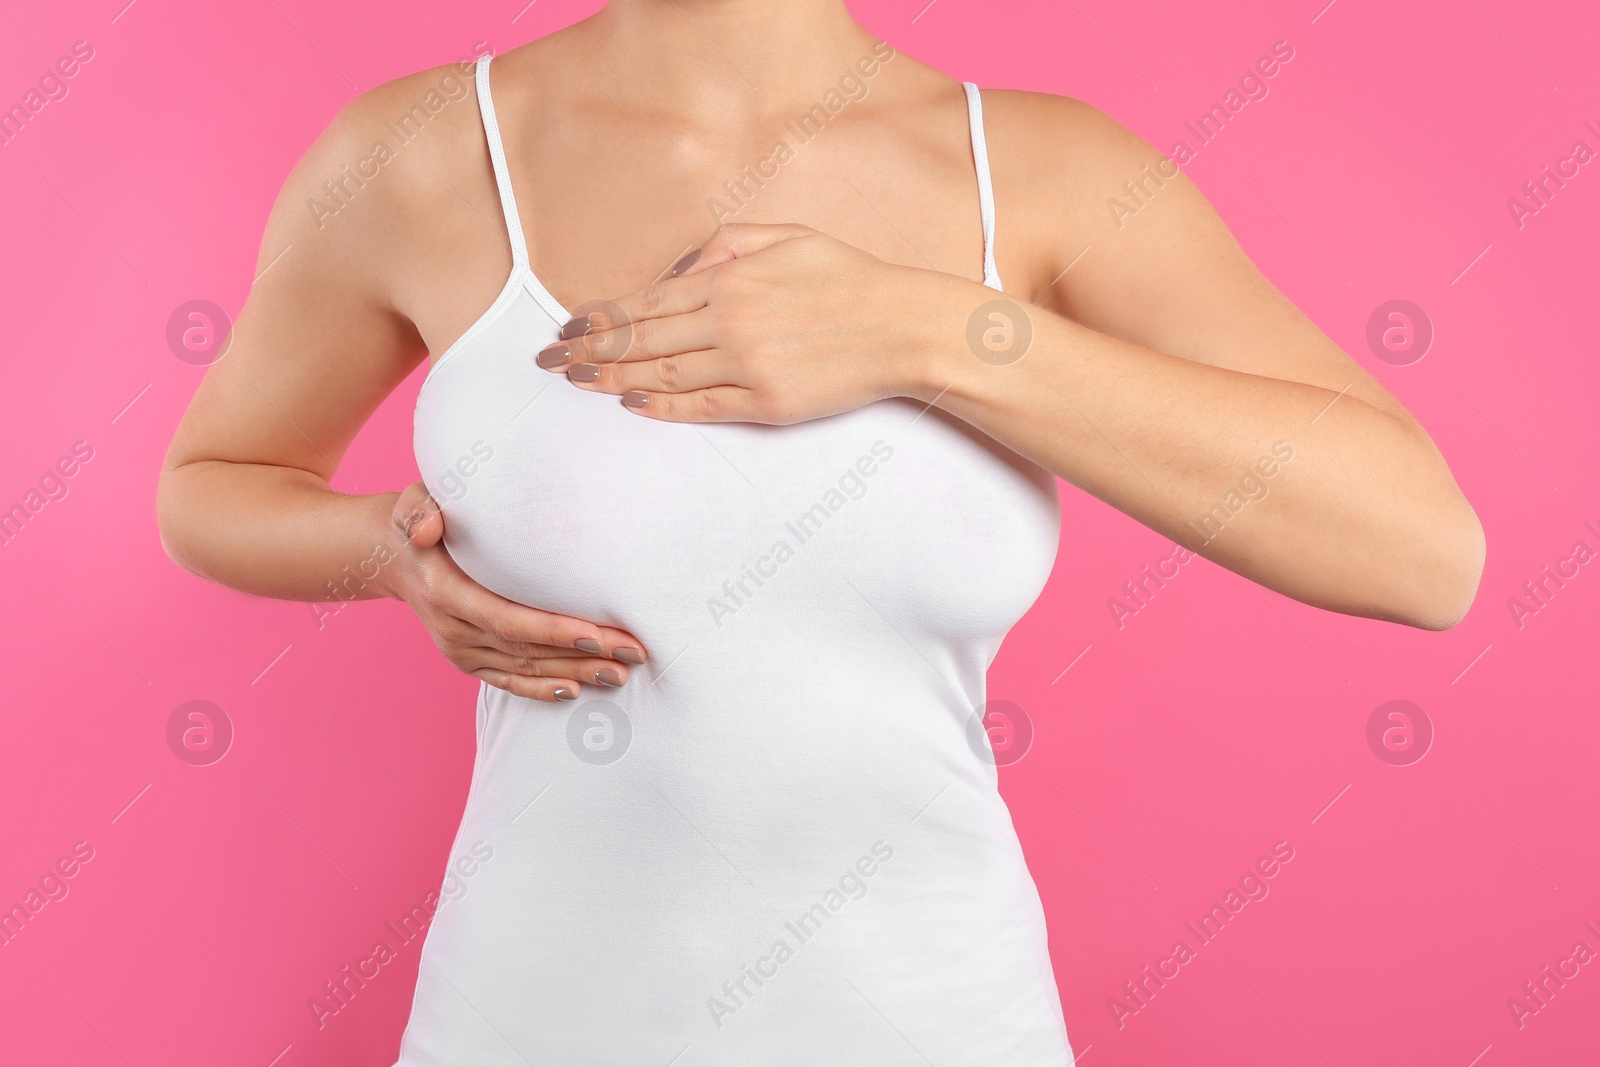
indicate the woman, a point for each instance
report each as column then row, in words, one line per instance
column 764, row 503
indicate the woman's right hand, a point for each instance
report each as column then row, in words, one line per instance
column 523, row 650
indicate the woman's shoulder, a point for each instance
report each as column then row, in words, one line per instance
column 426, row 115
column 1059, row 159
column 1062, row 132
column 1060, row 164
column 381, row 157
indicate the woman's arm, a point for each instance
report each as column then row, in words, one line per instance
column 1164, row 374
column 1312, row 489
column 1173, row 376
column 247, row 495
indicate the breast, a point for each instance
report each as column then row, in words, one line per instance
column 566, row 501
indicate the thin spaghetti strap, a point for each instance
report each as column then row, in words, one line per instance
column 502, row 175
column 980, row 157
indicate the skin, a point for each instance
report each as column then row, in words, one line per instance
column 1162, row 366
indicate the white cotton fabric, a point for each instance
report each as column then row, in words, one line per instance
column 781, row 843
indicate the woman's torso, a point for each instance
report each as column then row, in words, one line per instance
column 781, row 842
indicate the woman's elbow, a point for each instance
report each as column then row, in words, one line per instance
column 1448, row 570
column 168, row 522
column 175, row 518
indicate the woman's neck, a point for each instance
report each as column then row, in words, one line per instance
column 740, row 59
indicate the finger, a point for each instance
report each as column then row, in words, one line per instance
column 507, row 623
column 620, row 645
column 477, row 638
column 682, row 373
column 551, row 690
column 660, row 299
column 720, row 403
column 622, row 340
column 616, row 645
column 417, row 516
column 735, row 240
column 586, row 668
column 459, row 637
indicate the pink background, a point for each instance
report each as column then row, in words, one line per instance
column 1173, row 753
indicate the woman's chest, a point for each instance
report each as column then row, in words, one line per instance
column 605, row 221
column 564, row 499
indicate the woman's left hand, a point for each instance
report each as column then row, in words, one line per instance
column 771, row 324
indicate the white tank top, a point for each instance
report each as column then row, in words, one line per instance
column 781, row 842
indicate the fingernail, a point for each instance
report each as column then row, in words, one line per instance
column 628, row 655
column 566, row 694
column 583, row 372
column 686, row 262
column 588, row 644
column 411, row 520
column 635, row 399
column 576, row 328
column 554, row 356
column 607, row 677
